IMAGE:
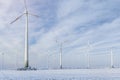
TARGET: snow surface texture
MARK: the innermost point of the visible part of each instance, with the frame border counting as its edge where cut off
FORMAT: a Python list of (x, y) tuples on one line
[(77, 74)]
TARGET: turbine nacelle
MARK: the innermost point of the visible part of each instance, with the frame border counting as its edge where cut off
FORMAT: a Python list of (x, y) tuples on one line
[(25, 13)]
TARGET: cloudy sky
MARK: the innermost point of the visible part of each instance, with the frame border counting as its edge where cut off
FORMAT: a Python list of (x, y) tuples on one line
[(83, 26)]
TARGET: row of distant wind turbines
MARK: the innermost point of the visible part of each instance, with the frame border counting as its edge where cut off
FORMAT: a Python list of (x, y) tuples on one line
[(26, 60), (87, 55)]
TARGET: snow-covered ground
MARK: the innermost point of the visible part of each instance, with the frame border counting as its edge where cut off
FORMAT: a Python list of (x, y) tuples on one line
[(73, 74)]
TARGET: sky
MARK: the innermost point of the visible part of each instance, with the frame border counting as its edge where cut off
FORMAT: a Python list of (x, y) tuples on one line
[(83, 26)]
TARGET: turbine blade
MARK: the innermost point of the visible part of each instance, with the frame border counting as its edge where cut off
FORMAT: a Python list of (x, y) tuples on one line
[(25, 5), (34, 15), (17, 18)]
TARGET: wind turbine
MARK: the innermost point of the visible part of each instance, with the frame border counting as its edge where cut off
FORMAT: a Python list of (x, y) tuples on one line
[(2, 66), (48, 57), (111, 59), (26, 13), (88, 55), (61, 50)]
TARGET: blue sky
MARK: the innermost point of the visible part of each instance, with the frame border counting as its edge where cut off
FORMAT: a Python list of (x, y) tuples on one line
[(73, 21)]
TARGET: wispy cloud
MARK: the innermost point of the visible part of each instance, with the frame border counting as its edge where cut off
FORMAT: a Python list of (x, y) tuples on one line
[(77, 21)]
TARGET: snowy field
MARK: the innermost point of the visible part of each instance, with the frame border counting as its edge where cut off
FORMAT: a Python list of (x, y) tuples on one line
[(76, 74)]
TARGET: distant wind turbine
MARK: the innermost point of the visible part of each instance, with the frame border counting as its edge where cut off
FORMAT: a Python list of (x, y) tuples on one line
[(88, 55), (61, 50), (26, 13), (111, 59), (2, 65)]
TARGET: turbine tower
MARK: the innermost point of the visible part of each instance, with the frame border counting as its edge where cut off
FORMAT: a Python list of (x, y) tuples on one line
[(26, 13), (111, 59), (61, 50), (88, 55)]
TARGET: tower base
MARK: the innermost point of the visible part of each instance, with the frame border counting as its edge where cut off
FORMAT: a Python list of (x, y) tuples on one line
[(26, 68)]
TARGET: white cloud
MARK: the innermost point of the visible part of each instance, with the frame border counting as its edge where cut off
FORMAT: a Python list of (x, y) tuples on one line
[(73, 20)]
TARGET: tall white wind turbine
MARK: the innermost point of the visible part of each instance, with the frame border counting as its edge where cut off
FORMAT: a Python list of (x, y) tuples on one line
[(26, 13), (111, 59), (61, 50)]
